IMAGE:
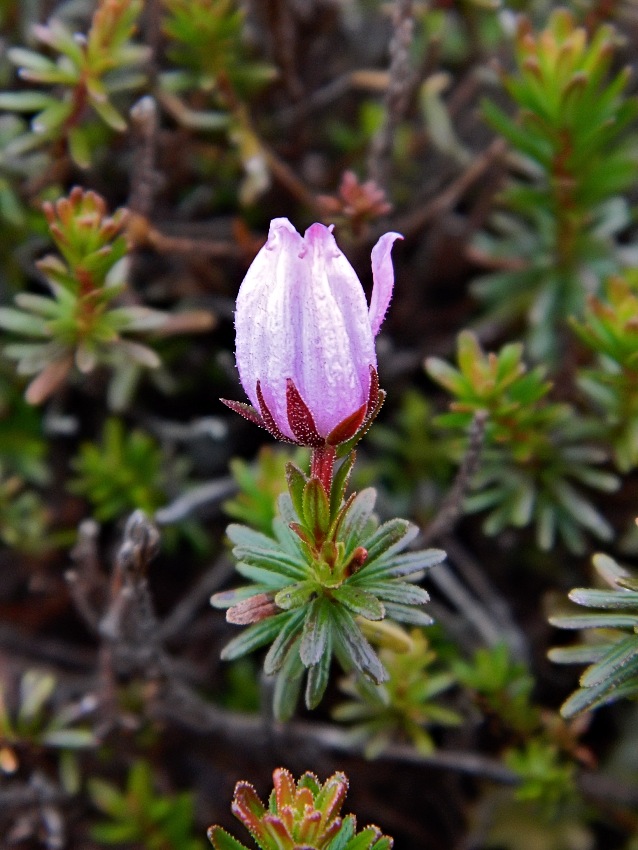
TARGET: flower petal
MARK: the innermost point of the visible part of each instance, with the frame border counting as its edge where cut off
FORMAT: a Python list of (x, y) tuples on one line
[(267, 302), (302, 320), (334, 376), (383, 279)]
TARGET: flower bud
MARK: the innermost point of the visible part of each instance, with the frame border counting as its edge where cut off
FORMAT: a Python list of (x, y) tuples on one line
[(305, 336)]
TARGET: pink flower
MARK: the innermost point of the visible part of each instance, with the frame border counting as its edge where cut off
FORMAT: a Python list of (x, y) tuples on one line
[(305, 335)]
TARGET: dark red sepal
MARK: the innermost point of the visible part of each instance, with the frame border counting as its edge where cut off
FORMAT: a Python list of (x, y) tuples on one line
[(300, 418), (376, 397), (269, 421), (348, 427), (373, 395), (245, 410)]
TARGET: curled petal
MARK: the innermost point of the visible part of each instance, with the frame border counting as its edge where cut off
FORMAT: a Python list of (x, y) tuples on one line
[(383, 280)]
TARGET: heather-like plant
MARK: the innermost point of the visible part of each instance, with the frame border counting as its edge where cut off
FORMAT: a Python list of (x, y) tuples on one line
[(303, 814), (79, 81), (613, 653), (609, 328), (537, 454), (15, 167), (500, 686), (546, 777), (356, 203), (413, 459), (306, 358), (124, 472), (23, 516), (23, 448), (331, 569), (30, 717), (555, 239), (259, 485), (140, 815), (81, 325), (207, 44), (407, 706), (129, 470)]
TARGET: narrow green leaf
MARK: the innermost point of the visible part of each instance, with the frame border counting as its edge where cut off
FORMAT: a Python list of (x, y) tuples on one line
[(24, 101), (316, 509), (315, 633), (622, 659), (340, 484), (357, 518), (35, 689), (582, 511), (310, 781), (280, 647), (384, 843), (518, 136), (608, 568), (40, 304), (242, 535), (72, 739), (594, 621), (356, 648), (330, 796), (407, 614), (345, 834), (22, 323), (392, 536), (445, 375), (405, 564), (275, 561), (318, 675), (586, 698), (79, 147), (295, 595), (363, 841), (296, 484), (115, 833), (273, 580), (469, 354), (109, 114), (398, 591), (24, 58), (604, 598), (361, 602), (581, 654), (107, 798), (287, 539), (222, 840), (288, 685), (254, 637), (51, 118)]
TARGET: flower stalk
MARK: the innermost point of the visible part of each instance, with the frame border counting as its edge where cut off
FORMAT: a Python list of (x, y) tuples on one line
[(322, 464)]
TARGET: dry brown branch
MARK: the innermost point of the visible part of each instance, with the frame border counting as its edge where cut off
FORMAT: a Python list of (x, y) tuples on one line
[(143, 233), (452, 505), (397, 94), (415, 221)]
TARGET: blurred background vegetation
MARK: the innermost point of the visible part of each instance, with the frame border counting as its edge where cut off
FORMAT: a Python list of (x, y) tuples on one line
[(144, 149)]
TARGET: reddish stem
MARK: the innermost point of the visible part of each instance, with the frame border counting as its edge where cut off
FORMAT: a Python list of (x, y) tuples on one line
[(321, 465)]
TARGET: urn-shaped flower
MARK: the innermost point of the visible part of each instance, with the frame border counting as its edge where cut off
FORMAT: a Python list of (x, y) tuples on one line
[(305, 335)]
